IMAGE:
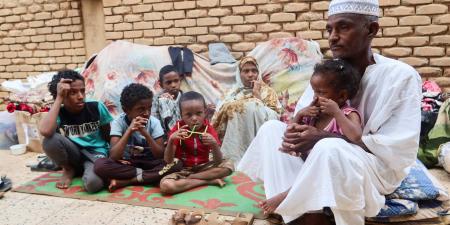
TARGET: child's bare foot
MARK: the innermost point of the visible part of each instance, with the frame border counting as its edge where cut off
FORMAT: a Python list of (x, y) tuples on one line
[(218, 182), (66, 179), (271, 204), (116, 184)]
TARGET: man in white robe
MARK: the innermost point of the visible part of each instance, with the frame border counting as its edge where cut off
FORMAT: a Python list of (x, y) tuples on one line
[(349, 178)]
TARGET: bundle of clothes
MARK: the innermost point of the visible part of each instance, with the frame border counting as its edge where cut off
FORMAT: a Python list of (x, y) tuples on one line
[(432, 100), (30, 95), (435, 131)]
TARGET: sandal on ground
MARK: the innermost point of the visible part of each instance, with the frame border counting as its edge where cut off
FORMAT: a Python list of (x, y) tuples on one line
[(195, 218), (213, 219), (274, 219), (178, 217), (185, 217), (45, 164), (243, 219), (5, 184)]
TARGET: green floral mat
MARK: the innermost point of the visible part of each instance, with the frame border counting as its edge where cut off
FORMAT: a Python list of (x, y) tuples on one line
[(239, 195)]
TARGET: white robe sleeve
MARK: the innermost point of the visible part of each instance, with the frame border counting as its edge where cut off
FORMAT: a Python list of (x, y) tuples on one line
[(392, 132)]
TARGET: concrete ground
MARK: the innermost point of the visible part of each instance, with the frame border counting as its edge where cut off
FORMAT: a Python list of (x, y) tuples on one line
[(27, 209)]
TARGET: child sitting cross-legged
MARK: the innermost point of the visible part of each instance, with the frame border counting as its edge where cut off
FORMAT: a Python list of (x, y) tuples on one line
[(191, 140), (136, 143)]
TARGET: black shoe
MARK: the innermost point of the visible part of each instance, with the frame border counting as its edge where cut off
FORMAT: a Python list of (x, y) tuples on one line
[(45, 165), (5, 184)]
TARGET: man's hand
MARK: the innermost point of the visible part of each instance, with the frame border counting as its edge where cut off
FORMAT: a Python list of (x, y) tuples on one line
[(63, 88), (328, 106), (301, 138), (208, 140)]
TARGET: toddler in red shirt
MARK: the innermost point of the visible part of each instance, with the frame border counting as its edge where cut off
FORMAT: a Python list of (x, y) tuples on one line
[(191, 140)]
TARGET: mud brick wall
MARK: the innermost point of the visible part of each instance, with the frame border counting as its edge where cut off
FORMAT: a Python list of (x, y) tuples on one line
[(38, 36), (414, 31)]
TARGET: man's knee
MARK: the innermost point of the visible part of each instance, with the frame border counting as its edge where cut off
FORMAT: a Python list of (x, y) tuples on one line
[(329, 145), (168, 186), (335, 150)]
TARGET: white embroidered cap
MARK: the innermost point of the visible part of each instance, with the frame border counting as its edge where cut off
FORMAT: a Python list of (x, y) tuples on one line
[(364, 7)]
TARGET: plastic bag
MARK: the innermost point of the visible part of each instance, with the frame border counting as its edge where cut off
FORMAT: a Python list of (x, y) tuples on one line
[(8, 134), (27, 130)]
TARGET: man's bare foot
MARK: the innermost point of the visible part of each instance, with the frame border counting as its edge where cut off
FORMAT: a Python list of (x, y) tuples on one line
[(271, 204), (116, 184), (66, 179), (218, 182)]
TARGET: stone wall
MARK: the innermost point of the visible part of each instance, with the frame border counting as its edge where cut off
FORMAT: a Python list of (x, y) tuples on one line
[(46, 35), (38, 36)]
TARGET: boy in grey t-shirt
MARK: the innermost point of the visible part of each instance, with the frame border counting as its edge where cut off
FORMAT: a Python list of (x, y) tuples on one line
[(136, 143)]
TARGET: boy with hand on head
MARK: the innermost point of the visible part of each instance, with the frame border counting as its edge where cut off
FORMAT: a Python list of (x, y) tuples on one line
[(137, 143), (191, 140), (76, 131), (165, 105)]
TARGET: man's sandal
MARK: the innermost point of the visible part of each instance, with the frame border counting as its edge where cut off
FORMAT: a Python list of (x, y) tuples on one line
[(185, 217), (195, 218), (243, 219), (213, 219), (240, 219), (274, 219), (178, 217)]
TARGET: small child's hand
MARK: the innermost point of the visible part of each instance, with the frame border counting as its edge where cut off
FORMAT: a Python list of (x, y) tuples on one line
[(311, 111), (166, 95), (180, 134), (328, 106), (138, 124), (209, 140)]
